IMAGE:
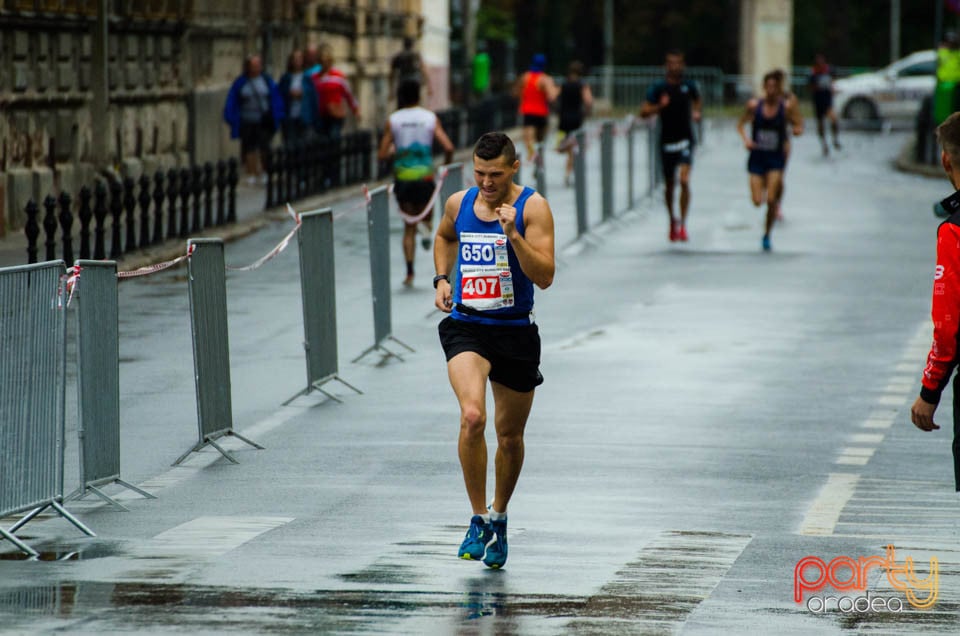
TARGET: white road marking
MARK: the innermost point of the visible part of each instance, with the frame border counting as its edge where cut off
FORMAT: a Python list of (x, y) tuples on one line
[(176, 554), (867, 438), (825, 511), (892, 400), (911, 379), (207, 536), (885, 422), (900, 388), (858, 451), (850, 460)]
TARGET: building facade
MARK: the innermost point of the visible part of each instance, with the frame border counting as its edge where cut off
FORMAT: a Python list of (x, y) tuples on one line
[(127, 86)]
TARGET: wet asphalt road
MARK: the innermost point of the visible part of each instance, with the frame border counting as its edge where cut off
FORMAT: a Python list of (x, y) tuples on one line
[(711, 415)]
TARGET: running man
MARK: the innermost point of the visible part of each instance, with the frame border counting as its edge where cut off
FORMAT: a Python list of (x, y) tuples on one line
[(821, 88), (409, 136), (769, 145), (676, 100), (943, 356), (575, 101), (536, 91), (496, 241)]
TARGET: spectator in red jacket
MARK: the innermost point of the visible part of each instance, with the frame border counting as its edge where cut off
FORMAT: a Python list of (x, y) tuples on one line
[(942, 359), (333, 96)]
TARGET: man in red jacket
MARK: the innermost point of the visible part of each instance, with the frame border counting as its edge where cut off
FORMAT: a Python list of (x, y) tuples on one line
[(334, 96), (943, 355)]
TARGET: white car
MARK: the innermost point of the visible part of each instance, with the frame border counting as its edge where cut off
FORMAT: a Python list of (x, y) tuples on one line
[(893, 92)]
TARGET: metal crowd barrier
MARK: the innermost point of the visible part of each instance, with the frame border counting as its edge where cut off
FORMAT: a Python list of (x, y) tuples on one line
[(654, 167), (451, 185), (378, 233), (580, 179), (32, 394), (630, 163), (319, 299), (606, 169), (98, 380), (211, 346)]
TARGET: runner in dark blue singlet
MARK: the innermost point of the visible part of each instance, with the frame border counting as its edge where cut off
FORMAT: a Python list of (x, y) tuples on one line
[(769, 145), (494, 243)]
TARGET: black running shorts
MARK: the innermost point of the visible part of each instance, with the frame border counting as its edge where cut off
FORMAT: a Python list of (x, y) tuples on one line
[(512, 351), (413, 196), (671, 160)]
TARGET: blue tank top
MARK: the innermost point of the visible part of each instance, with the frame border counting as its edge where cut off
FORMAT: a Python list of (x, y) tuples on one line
[(769, 133), (489, 287)]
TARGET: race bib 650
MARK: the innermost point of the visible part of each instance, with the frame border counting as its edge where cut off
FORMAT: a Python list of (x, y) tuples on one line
[(486, 282)]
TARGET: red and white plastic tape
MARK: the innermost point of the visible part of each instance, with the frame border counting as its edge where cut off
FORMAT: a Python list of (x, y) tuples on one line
[(282, 245)]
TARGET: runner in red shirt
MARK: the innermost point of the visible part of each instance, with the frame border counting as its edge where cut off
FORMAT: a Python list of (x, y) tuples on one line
[(942, 359), (536, 91), (334, 96)]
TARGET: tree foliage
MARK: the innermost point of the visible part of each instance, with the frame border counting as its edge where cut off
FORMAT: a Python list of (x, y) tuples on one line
[(849, 32)]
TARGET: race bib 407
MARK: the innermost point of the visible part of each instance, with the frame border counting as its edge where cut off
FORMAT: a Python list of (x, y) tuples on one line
[(485, 279)]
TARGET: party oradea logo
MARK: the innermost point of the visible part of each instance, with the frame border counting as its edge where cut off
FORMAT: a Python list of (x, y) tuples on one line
[(849, 578)]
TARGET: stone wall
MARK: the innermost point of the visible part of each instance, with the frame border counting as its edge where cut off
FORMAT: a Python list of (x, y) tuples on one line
[(168, 66)]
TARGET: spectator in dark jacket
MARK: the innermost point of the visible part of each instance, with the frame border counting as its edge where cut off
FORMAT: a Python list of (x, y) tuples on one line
[(254, 110), (299, 99)]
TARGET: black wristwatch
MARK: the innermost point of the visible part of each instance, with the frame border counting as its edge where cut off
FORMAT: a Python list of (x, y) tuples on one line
[(438, 278)]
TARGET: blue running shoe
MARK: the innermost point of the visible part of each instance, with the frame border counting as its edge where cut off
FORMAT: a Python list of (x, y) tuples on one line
[(475, 543), (766, 243), (496, 555)]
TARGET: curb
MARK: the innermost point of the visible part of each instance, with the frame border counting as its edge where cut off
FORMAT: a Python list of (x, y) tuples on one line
[(906, 163)]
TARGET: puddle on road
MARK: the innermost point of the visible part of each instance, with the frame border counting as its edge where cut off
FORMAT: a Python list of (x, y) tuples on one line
[(151, 606), (383, 575), (60, 553)]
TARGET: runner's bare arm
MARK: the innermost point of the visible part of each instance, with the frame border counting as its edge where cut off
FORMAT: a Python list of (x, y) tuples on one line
[(445, 250), (649, 109), (549, 88), (587, 96), (745, 117), (441, 136), (534, 250), (385, 151), (794, 116), (696, 110)]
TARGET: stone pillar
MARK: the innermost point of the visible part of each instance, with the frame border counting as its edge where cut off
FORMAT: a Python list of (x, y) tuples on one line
[(435, 50), (766, 38)]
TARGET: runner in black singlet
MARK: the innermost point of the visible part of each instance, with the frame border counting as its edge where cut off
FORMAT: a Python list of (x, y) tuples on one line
[(575, 102), (676, 101)]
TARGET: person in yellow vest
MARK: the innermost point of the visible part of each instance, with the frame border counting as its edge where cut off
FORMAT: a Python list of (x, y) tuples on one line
[(948, 77)]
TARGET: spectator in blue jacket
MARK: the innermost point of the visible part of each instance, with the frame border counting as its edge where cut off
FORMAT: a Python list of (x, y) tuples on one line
[(254, 110), (299, 100)]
